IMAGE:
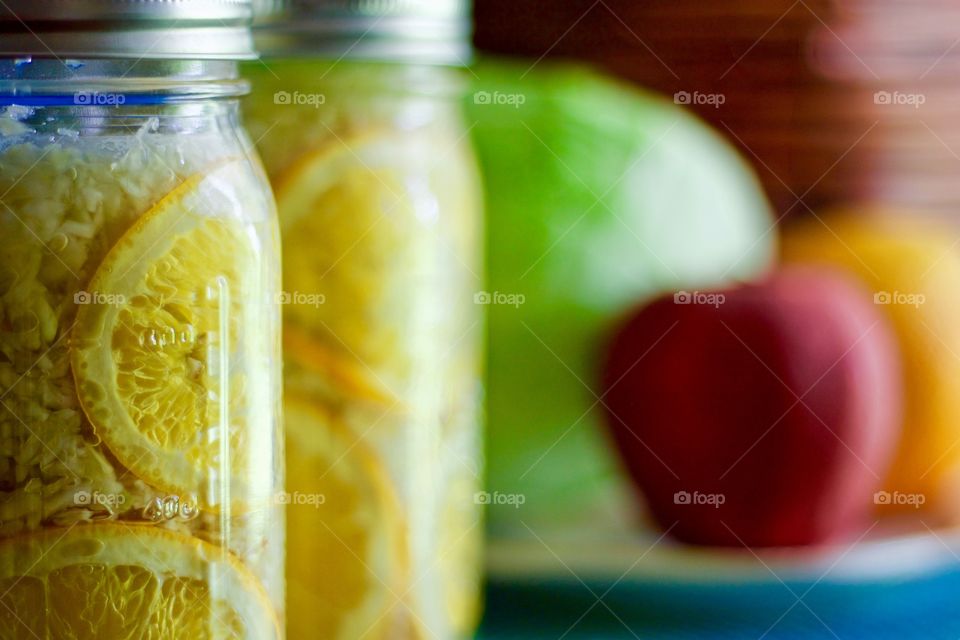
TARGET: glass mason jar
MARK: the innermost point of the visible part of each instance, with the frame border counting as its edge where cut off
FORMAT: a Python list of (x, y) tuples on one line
[(379, 204), (140, 458)]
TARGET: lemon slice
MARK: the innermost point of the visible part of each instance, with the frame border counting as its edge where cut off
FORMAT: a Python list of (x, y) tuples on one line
[(110, 581), (164, 359), (357, 237), (343, 378), (346, 556)]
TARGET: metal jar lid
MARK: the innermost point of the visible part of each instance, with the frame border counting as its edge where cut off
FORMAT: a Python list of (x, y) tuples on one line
[(141, 29), (418, 31)]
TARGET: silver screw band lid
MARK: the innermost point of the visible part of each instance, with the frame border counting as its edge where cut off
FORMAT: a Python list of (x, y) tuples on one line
[(142, 29), (418, 31)]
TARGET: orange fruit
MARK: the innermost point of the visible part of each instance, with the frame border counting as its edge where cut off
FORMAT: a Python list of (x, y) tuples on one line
[(912, 268)]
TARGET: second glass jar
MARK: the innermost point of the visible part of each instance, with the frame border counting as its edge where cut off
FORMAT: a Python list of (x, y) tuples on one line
[(379, 203)]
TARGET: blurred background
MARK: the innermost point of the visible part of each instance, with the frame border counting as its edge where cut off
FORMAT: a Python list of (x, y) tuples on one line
[(724, 320)]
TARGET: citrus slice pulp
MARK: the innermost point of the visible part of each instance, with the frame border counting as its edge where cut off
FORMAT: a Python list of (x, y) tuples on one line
[(346, 378), (346, 557), (161, 354), (356, 238), (127, 583)]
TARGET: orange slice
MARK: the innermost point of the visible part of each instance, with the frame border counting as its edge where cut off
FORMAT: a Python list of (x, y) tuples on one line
[(347, 380), (109, 581), (346, 555), (166, 357), (356, 238)]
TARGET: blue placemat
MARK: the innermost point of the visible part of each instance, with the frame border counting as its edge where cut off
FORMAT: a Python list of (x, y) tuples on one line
[(925, 608)]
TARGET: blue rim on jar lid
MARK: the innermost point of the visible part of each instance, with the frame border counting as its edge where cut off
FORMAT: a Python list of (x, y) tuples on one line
[(417, 31), (141, 29)]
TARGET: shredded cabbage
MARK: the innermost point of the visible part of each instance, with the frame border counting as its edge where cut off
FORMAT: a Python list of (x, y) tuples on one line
[(64, 201)]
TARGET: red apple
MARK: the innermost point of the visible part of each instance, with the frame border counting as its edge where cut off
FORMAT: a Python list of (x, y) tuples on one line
[(761, 415)]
